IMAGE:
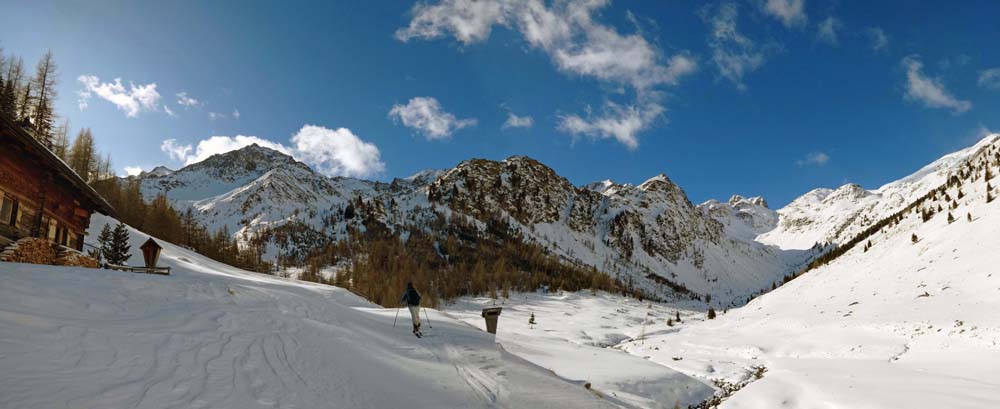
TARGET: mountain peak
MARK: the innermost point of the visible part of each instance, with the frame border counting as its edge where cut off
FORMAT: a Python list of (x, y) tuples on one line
[(156, 172)]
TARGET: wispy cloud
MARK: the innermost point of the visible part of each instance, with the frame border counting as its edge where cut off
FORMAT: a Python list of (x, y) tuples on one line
[(565, 30), (333, 152), (827, 30), (568, 32), (792, 13), (990, 78), (170, 112), (733, 53), (621, 123), (186, 101), (236, 113), (515, 121), (132, 101), (814, 159), (425, 115), (928, 90), (216, 115), (879, 39)]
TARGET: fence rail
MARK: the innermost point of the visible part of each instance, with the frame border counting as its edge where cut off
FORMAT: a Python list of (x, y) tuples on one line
[(148, 270)]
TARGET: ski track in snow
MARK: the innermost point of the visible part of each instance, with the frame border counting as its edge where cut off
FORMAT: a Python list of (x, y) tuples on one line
[(212, 336)]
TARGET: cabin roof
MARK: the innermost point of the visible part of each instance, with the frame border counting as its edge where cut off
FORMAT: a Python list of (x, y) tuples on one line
[(9, 127)]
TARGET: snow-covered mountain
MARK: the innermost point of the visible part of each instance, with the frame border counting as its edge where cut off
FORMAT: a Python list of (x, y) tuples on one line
[(650, 234), (835, 216), (905, 319)]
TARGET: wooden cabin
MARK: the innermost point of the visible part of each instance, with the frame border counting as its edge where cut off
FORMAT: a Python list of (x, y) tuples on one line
[(40, 196)]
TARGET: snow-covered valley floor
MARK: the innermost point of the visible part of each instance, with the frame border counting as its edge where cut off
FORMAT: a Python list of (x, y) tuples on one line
[(902, 325), (212, 336)]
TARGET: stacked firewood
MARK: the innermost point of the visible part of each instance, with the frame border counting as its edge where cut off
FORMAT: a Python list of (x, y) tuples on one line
[(40, 251), (30, 250), (76, 259)]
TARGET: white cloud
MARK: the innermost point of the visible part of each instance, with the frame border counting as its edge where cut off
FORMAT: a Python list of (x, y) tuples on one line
[(790, 12), (565, 30), (929, 90), (333, 152), (814, 158), (827, 29), (337, 152), (990, 78), (515, 121), (132, 170), (426, 115), (215, 115), (176, 152), (132, 101), (621, 123), (169, 111), (734, 54), (236, 113), (187, 102), (879, 39)]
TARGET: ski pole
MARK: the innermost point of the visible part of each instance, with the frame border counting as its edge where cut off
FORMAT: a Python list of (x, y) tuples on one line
[(394, 319), (428, 319)]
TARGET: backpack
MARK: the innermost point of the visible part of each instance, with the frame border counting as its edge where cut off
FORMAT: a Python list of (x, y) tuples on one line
[(413, 297)]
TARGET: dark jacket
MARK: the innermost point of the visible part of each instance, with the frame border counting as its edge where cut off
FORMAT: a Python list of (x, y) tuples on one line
[(410, 297)]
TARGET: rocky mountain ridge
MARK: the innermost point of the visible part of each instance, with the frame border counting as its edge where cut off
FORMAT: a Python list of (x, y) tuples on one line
[(648, 234)]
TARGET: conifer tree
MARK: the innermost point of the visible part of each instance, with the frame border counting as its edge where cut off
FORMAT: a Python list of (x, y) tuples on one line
[(711, 313), (118, 252), (60, 140), (45, 84), (951, 219), (81, 155), (913, 238), (531, 320), (968, 216), (104, 240)]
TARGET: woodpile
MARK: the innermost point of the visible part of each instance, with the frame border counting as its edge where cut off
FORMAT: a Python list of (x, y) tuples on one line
[(40, 251), (30, 250), (76, 259)]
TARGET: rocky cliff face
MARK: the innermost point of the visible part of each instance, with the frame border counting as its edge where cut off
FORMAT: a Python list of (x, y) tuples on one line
[(649, 234)]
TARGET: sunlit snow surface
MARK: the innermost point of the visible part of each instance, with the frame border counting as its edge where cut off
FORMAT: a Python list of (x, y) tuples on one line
[(212, 336)]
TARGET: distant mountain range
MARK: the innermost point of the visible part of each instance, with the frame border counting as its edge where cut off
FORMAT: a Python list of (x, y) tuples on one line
[(649, 233)]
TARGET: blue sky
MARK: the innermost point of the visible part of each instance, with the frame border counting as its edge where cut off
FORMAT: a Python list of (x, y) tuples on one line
[(768, 97)]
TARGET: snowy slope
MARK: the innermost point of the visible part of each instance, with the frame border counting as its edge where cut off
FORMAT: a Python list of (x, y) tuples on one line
[(901, 325), (212, 336), (835, 216)]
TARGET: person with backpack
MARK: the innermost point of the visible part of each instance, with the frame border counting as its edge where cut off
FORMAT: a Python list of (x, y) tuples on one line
[(412, 299)]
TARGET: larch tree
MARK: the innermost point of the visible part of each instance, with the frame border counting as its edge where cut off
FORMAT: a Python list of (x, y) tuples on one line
[(60, 141), (81, 155), (12, 87), (45, 91)]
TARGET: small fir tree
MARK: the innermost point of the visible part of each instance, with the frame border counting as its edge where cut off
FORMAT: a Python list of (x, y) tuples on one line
[(913, 238), (968, 216), (104, 240), (531, 320), (119, 248), (951, 219), (711, 313)]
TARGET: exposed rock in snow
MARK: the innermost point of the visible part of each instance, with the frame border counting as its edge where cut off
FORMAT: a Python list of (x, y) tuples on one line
[(835, 216)]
